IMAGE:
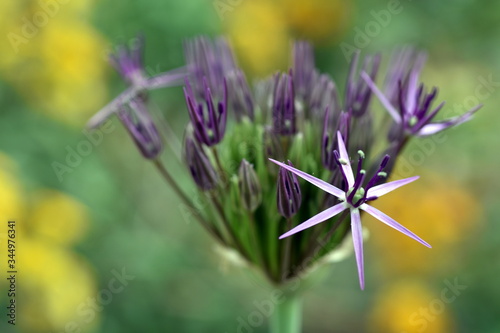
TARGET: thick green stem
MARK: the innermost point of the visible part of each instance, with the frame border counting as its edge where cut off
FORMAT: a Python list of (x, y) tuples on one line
[(287, 316)]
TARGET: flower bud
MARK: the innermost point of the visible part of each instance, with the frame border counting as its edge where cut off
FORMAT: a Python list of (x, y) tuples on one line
[(209, 121), (329, 140), (284, 120), (141, 127), (289, 195), (202, 171), (358, 94), (239, 96), (249, 186)]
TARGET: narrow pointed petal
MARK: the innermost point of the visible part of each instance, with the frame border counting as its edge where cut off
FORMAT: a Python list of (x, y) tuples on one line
[(112, 107), (412, 91), (381, 97), (357, 239), (392, 223), (175, 77), (345, 156), (316, 219), (380, 190), (313, 180), (413, 85), (434, 128)]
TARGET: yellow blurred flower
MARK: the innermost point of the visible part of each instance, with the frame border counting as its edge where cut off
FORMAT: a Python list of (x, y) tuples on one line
[(262, 30), (54, 58), (319, 21), (258, 31), (71, 82), (55, 280), (409, 307), (438, 210), (58, 218)]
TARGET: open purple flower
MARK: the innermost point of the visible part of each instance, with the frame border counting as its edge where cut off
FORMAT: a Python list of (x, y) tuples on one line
[(128, 61), (414, 113), (354, 198)]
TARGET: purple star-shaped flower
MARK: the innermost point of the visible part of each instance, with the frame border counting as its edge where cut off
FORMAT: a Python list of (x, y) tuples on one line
[(128, 61), (355, 198), (414, 114)]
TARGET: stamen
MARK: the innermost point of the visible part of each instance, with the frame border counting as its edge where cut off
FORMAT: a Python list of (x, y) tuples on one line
[(384, 162), (379, 172), (357, 185), (360, 170)]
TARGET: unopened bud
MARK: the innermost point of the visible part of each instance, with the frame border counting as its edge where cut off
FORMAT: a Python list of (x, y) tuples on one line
[(249, 186), (202, 171), (289, 195)]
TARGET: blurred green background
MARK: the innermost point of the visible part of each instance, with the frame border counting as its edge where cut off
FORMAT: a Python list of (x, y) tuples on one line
[(109, 213)]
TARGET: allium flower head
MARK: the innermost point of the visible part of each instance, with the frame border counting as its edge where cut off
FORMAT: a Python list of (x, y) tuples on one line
[(295, 116)]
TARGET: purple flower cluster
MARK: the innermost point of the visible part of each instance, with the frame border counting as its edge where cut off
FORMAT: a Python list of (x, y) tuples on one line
[(297, 116)]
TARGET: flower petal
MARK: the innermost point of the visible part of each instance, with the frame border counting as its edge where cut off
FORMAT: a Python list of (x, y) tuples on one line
[(357, 239), (316, 219), (412, 88), (381, 97), (112, 107), (313, 180), (343, 155), (168, 79), (434, 128), (380, 190), (392, 223)]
